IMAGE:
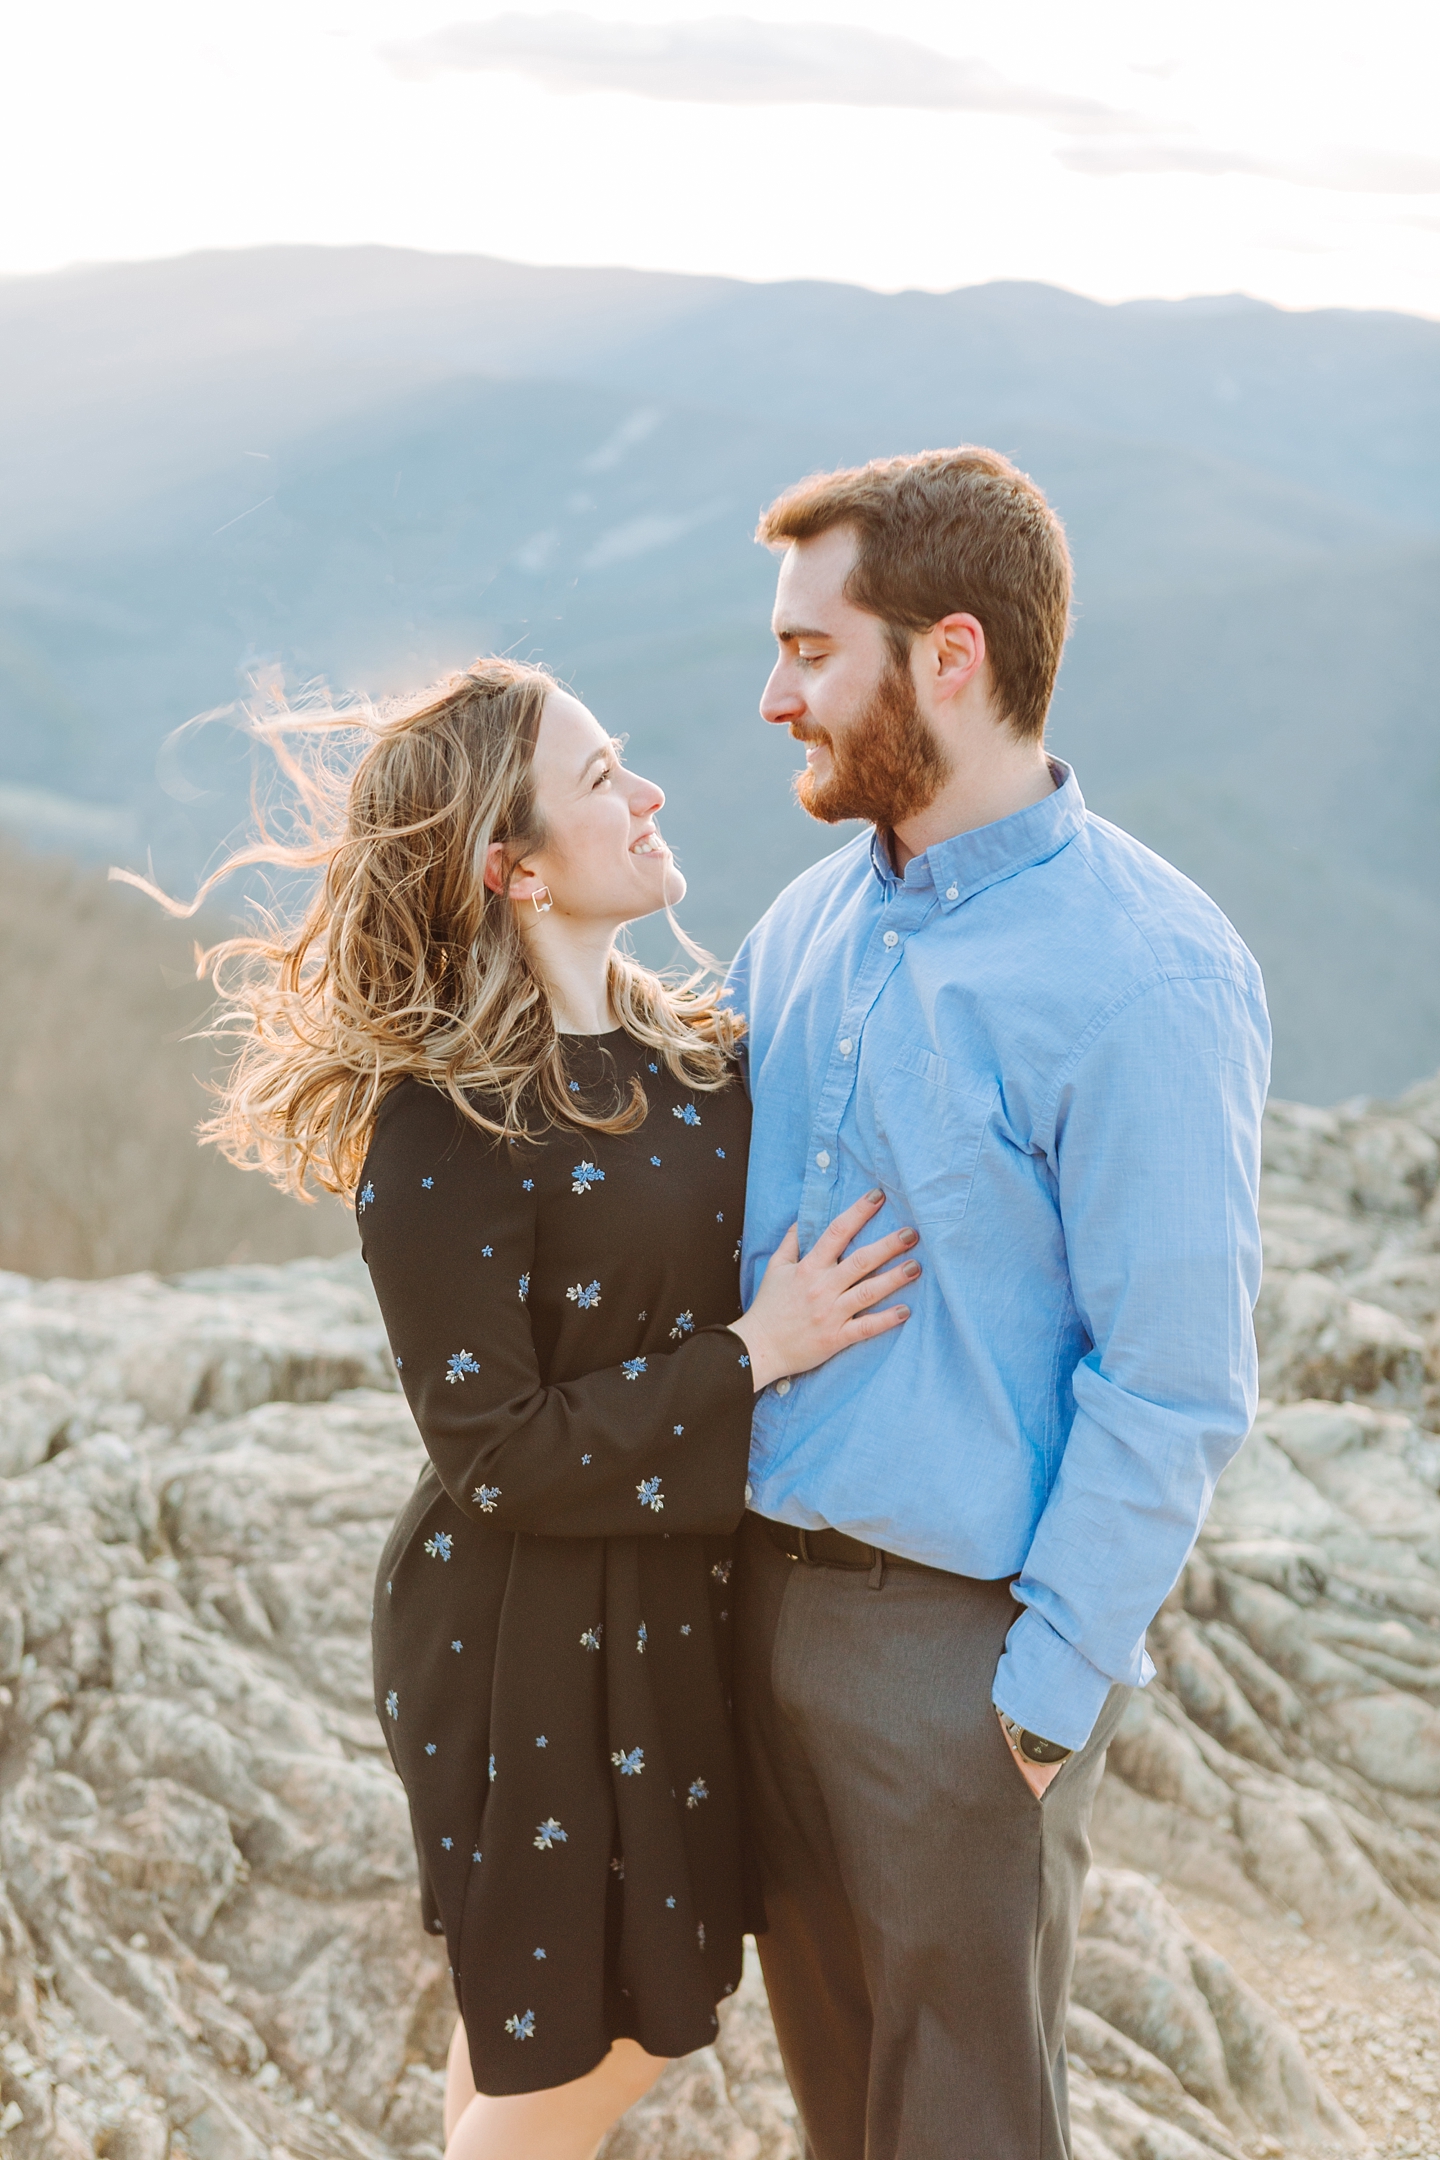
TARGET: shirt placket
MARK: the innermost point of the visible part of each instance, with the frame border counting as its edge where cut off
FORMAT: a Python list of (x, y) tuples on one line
[(901, 916)]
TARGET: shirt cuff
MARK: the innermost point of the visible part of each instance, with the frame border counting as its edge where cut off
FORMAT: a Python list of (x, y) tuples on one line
[(1047, 1686)]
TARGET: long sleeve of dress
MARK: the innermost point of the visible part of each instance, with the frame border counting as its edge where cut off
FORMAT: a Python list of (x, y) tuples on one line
[(532, 1413)]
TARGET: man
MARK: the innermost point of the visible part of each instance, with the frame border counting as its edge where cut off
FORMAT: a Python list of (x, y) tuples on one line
[(1051, 1051)]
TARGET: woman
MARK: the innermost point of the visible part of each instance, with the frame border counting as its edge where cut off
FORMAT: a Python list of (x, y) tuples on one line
[(550, 1201)]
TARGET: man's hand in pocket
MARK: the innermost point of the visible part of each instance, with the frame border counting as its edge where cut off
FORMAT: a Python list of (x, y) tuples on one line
[(1036, 1775)]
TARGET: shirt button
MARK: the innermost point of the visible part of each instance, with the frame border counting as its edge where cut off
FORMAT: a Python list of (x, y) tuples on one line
[(749, 1492), (846, 1047), (952, 892), (823, 1159), (891, 937), (782, 1387)]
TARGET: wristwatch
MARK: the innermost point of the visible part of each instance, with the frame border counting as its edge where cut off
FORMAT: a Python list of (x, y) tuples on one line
[(1032, 1747)]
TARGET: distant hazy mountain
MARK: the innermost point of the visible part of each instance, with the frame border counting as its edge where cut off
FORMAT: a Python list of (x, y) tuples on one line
[(368, 465)]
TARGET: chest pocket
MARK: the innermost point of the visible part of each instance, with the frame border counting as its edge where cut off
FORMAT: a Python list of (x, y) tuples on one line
[(930, 1127)]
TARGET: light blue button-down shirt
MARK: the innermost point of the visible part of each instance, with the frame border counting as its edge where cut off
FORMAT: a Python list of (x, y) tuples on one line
[(1052, 1052)]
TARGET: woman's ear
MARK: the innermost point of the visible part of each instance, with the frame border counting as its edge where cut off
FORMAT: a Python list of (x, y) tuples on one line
[(513, 879), (493, 871)]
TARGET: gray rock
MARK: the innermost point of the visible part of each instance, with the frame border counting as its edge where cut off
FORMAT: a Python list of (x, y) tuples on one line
[(205, 1865)]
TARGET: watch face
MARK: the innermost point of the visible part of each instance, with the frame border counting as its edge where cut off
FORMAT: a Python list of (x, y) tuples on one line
[(1036, 1750)]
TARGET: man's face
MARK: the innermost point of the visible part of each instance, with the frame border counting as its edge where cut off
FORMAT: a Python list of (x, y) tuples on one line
[(837, 686)]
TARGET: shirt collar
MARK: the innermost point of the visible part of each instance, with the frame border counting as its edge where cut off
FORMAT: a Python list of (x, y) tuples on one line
[(959, 868)]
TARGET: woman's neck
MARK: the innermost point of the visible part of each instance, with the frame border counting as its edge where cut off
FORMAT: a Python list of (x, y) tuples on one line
[(573, 961)]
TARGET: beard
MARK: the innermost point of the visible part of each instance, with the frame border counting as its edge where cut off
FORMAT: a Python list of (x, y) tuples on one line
[(885, 767)]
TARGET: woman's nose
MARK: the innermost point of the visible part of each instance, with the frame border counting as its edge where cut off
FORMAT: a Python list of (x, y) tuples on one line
[(648, 799)]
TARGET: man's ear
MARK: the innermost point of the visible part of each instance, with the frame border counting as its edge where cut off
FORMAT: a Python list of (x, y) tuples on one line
[(956, 653)]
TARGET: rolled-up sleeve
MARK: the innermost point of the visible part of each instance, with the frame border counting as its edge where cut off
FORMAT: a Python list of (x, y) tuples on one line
[(1154, 1145)]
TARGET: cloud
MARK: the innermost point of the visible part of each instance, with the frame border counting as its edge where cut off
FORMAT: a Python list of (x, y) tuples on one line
[(733, 60), (1366, 172)]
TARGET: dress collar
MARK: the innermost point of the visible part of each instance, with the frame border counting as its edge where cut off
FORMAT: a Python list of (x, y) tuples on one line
[(958, 868)]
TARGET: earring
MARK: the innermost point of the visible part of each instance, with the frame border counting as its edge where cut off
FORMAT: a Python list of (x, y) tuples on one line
[(542, 907)]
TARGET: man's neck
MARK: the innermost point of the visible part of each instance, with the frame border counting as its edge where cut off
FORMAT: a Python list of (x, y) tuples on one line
[(1009, 776)]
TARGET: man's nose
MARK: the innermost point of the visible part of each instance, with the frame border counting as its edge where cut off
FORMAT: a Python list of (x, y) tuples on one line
[(780, 701)]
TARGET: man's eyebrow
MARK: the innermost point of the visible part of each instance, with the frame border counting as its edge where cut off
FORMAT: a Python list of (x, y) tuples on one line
[(786, 635)]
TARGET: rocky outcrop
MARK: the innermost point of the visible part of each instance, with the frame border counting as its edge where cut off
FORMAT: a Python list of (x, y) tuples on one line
[(209, 1941)]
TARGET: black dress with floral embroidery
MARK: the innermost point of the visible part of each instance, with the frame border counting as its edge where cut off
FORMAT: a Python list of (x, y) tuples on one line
[(551, 1612)]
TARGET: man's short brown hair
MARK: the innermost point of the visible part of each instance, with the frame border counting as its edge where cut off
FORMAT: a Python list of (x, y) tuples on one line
[(945, 533)]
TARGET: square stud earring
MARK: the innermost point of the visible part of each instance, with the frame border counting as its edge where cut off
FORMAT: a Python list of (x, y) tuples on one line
[(542, 907)]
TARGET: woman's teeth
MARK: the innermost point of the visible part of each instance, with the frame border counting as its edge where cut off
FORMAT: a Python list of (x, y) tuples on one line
[(649, 843)]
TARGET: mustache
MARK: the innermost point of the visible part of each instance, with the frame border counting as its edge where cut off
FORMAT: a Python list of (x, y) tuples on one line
[(811, 735)]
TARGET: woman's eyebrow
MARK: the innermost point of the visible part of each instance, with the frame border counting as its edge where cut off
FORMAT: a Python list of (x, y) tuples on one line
[(603, 755)]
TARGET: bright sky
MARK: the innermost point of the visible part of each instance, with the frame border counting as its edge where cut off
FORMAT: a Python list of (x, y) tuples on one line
[(1286, 148)]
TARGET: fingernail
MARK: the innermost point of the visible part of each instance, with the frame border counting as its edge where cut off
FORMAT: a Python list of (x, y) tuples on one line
[(875, 1197), (902, 1312), (910, 1237), (912, 1271)]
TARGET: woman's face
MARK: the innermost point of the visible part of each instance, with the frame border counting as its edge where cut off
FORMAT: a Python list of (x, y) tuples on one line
[(603, 860)]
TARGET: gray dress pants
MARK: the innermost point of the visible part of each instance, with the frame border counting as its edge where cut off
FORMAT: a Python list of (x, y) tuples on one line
[(921, 1903)]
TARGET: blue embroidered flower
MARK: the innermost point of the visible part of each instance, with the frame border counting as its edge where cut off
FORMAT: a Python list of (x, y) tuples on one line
[(649, 1495), (584, 1461), (440, 1546), (585, 1295), (541, 1741), (670, 1904), (630, 1762), (527, 1184), (524, 1287), (367, 1195), (584, 1175), (642, 1316), (549, 1834), (430, 1747), (427, 1184), (590, 1640), (487, 1252), (655, 1160), (399, 1364), (721, 1153), (457, 1644), (523, 2026), (721, 1571), (392, 1704), (476, 1855), (685, 1627), (447, 1844), (684, 1325), (688, 1116), (537, 1953), (642, 1638), (457, 1365), (719, 1218), (699, 1791), (745, 1361), (678, 1430), (632, 1367), (492, 1769), (484, 1497), (655, 1068), (574, 1087)]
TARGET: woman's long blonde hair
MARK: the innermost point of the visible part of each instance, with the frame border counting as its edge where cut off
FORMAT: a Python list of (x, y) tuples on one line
[(404, 964)]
